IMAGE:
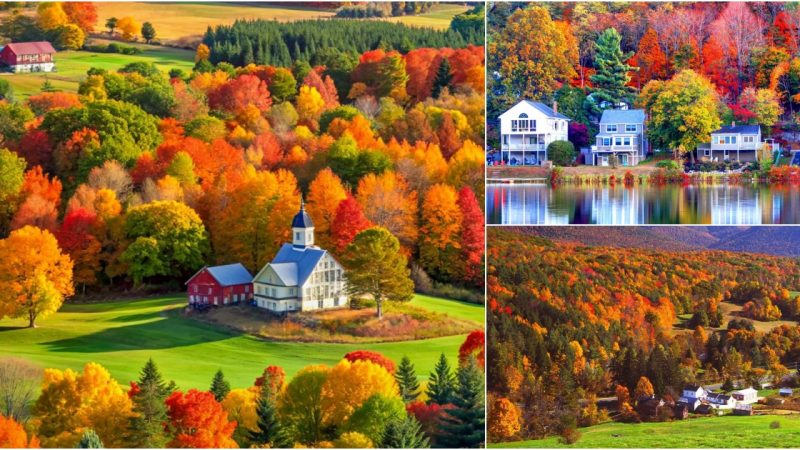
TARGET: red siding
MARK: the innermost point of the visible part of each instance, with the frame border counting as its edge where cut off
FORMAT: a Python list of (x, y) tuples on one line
[(203, 288), (8, 57)]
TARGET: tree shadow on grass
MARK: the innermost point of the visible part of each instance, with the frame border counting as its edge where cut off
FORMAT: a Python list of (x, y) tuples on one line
[(162, 333)]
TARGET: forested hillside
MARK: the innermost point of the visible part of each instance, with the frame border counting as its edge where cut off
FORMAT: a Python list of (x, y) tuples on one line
[(569, 322)]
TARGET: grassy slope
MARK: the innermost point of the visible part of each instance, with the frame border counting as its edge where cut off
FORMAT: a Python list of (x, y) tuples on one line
[(71, 67), (121, 335), (728, 431), (457, 309)]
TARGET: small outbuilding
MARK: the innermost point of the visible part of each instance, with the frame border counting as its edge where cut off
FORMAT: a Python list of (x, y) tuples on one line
[(220, 285), (743, 410), (785, 392), (680, 411), (705, 408), (746, 396)]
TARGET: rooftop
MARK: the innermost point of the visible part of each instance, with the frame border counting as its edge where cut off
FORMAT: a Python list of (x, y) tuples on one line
[(31, 48)]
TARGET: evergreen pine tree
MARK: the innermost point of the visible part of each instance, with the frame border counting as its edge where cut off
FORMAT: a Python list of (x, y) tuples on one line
[(270, 431), (90, 439), (147, 427), (611, 79), (220, 386), (464, 425), (405, 432), (442, 79), (406, 378), (441, 383)]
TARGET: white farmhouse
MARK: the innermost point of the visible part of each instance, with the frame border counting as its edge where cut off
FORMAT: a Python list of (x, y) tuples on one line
[(527, 128), (302, 276)]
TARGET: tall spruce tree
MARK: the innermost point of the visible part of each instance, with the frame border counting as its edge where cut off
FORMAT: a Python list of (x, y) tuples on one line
[(220, 386), (90, 439), (611, 78), (269, 430), (405, 432), (464, 425), (441, 383), (147, 426), (442, 78), (406, 378)]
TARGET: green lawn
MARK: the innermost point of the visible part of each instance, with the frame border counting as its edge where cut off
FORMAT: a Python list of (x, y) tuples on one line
[(454, 308), (721, 432), (121, 335), (71, 67)]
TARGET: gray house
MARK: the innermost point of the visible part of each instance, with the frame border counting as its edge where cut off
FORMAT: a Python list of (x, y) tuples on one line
[(622, 133), (732, 143)]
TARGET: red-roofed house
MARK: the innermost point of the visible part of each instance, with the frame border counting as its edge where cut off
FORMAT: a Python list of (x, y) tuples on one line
[(28, 56)]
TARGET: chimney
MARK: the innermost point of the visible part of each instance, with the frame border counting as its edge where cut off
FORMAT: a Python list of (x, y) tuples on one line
[(733, 123), (555, 106)]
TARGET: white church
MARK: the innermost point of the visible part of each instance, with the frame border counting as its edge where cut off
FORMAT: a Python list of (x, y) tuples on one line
[(302, 276)]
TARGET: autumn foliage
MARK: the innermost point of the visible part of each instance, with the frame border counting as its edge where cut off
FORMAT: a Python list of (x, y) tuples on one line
[(197, 420)]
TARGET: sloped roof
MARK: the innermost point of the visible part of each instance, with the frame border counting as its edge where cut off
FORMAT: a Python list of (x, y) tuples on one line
[(227, 275), (548, 111), (305, 260), (31, 48), (287, 272), (622, 116), (742, 129)]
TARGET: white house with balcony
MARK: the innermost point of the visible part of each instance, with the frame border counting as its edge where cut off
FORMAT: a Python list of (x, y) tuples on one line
[(527, 128), (735, 143), (622, 133), (302, 276)]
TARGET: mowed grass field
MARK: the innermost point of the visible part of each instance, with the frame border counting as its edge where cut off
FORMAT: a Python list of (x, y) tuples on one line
[(709, 432), (122, 335), (71, 67)]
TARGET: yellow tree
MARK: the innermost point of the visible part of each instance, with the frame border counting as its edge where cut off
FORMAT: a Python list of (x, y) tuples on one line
[(129, 27), (35, 276), (310, 105), (439, 250), (51, 16), (350, 384), (466, 169), (504, 419), (300, 404), (240, 405), (71, 402), (644, 388), (202, 53), (324, 195), (388, 202)]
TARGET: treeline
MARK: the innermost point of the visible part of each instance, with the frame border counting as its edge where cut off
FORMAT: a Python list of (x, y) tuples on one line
[(280, 44), (383, 9), (570, 322)]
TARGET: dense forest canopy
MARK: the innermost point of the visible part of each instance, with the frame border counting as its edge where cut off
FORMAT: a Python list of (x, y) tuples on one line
[(571, 322), (280, 44)]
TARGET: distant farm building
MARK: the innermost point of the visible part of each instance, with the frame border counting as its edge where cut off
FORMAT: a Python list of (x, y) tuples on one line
[(220, 285), (28, 56), (746, 396), (743, 410), (785, 392)]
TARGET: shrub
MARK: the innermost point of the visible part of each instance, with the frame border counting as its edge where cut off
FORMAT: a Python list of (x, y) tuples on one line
[(562, 153), (668, 164), (629, 179), (556, 176)]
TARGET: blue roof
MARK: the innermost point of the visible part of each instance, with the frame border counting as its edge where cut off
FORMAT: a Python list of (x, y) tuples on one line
[(546, 110), (742, 129), (230, 274), (302, 219), (306, 258), (622, 116)]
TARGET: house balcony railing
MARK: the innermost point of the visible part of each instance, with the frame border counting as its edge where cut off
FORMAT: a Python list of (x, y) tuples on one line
[(616, 148), (523, 148)]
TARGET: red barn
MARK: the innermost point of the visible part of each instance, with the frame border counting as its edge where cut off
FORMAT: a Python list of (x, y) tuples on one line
[(220, 285), (28, 56)]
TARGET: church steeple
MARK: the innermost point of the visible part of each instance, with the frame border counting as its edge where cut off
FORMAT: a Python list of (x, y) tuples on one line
[(302, 228)]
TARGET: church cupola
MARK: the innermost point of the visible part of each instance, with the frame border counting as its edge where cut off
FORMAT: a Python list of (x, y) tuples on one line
[(302, 228)]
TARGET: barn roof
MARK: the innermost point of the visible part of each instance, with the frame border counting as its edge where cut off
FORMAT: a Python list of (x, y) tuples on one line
[(622, 116), (287, 272), (741, 129), (31, 48), (227, 275), (304, 259)]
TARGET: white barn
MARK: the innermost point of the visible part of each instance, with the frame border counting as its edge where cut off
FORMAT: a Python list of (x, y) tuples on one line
[(527, 128), (302, 276)]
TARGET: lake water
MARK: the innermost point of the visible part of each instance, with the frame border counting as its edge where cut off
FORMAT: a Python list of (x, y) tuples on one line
[(532, 204)]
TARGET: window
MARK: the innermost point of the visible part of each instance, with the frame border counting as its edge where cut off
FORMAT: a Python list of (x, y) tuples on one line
[(626, 141), (606, 142), (319, 304), (748, 139), (618, 141), (336, 301), (505, 139), (555, 125), (297, 236), (630, 128), (611, 128), (274, 295), (707, 152), (733, 139)]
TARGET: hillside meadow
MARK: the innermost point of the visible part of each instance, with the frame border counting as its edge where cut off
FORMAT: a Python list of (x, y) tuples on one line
[(71, 67), (710, 432), (122, 335)]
